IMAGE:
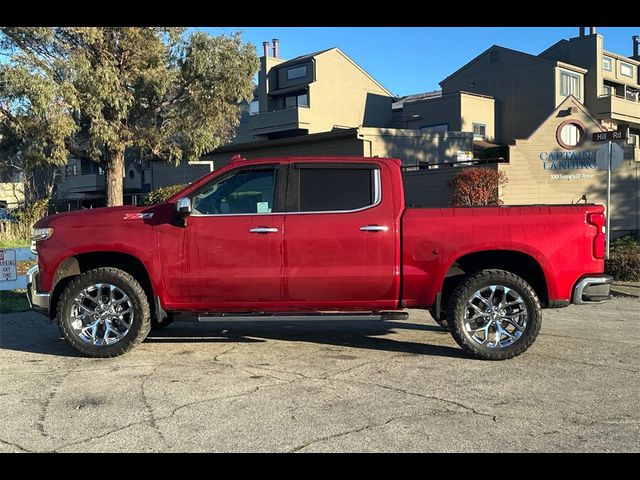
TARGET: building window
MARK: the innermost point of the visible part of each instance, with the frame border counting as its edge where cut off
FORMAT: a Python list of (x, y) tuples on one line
[(442, 127), (292, 101), (607, 64), (606, 89), (570, 134), (569, 84), (626, 69), (297, 72), (479, 131), (254, 107)]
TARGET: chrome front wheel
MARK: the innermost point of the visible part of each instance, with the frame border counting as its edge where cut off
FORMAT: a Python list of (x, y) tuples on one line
[(102, 314)]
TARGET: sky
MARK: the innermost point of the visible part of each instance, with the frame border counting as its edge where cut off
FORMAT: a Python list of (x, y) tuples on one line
[(409, 60)]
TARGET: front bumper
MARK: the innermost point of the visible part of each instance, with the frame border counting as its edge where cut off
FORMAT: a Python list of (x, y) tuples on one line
[(37, 300), (592, 290)]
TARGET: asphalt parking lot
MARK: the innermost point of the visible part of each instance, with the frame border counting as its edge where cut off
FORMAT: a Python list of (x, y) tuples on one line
[(398, 386)]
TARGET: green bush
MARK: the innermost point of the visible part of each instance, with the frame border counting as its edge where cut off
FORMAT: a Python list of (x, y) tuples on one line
[(624, 265), (159, 195), (627, 242)]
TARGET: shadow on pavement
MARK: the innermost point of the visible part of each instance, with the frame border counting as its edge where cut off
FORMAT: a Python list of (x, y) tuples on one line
[(352, 333), (29, 332)]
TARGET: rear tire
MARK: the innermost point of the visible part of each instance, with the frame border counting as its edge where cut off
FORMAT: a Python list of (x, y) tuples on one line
[(104, 313), (494, 315)]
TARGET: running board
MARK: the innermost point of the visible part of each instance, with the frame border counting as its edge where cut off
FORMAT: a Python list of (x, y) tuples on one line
[(295, 317)]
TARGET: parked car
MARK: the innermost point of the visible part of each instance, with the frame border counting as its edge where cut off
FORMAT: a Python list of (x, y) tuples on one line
[(311, 235)]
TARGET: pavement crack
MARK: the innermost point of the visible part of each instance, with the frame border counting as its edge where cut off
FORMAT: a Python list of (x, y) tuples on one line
[(98, 437), (226, 397), (439, 399), (153, 421), (349, 432), (42, 418), (16, 445)]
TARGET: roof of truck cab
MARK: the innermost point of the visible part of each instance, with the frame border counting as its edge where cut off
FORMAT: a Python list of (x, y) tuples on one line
[(313, 158)]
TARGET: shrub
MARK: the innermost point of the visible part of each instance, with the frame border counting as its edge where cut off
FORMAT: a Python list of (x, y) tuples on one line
[(624, 258), (624, 265), (19, 230), (629, 241), (476, 186), (159, 195)]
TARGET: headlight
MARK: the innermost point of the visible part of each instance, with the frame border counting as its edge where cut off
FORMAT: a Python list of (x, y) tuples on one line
[(41, 234)]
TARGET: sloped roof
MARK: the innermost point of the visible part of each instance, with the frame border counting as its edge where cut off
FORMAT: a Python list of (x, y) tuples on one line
[(415, 97), (498, 47), (309, 56), (574, 102), (303, 58)]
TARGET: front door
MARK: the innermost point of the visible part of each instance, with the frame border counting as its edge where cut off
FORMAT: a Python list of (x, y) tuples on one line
[(234, 241), (340, 241)]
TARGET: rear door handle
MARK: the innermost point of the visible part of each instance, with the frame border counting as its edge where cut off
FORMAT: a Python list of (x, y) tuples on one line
[(374, 228), (264, 230)]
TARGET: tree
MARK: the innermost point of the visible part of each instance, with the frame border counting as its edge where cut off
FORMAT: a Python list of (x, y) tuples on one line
[(476, 186), (95, 92)]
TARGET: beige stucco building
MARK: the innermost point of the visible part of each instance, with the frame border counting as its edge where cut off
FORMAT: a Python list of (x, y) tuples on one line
[(311, 94), (544, 169)]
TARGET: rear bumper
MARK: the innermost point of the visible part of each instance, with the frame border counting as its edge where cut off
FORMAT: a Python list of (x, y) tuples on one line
[(592, 290), (38, 301)]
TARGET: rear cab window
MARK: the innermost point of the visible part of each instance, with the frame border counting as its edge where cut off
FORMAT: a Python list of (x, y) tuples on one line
[(327, 187)]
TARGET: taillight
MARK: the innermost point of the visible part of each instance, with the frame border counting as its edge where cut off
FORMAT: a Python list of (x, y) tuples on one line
[(598, 220)]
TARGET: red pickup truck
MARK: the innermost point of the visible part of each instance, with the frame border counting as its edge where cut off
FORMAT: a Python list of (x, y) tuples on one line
[(323, 236)]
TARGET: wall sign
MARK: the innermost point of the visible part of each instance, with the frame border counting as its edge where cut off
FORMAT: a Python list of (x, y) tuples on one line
[(572, 160)]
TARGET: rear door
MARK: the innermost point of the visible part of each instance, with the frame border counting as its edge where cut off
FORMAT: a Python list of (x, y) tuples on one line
[(340, 238)]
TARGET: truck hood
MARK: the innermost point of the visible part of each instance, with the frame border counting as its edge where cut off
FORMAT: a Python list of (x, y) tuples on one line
[(105, 215)]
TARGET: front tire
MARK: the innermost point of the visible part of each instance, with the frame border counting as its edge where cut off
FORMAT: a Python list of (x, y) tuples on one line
[(104, 313), (494, 315)]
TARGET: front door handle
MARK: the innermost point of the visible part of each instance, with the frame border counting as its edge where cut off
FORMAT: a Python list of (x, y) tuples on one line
[(264, 230), (374, 228)]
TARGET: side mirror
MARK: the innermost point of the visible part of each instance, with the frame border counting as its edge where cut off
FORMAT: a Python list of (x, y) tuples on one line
[(183, 206)]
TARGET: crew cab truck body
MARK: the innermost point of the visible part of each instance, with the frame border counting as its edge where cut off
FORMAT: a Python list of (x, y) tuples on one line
[(310, 235)]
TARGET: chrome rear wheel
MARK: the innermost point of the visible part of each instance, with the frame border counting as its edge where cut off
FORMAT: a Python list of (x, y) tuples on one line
[(496, 316)]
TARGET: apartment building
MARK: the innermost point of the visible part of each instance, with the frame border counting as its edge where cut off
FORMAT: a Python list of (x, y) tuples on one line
[(611, 81), (512, 92), (311, 94)]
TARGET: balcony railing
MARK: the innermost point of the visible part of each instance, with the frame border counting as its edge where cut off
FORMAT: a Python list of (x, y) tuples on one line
[(278, 120), (622, 108)]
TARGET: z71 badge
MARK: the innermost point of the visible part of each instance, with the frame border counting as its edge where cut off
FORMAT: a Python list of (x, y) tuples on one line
[(132, 216)]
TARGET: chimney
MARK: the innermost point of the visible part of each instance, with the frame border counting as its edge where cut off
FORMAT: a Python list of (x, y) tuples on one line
[(592, 30), (636, 42), (275, 48), (265, 48)]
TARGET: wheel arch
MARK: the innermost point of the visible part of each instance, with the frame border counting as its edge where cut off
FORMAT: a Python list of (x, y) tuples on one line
[(517, 262), (75, 265)]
